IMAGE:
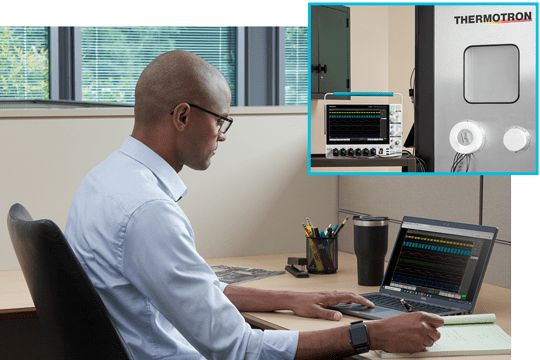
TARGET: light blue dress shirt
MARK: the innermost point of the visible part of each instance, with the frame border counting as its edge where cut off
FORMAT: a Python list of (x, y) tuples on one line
[(137, 246)]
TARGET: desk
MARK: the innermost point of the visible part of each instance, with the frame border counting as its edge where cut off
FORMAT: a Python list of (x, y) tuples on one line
[(492, 299), (21, 336), (15, 299), (407, 163)]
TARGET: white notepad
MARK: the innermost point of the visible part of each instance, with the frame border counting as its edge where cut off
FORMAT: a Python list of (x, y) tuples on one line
[(465, 335)]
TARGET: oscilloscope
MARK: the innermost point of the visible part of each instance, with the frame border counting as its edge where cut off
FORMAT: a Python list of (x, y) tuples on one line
[(363, 130)]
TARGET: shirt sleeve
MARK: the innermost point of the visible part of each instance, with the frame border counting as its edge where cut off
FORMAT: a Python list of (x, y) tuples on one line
[(222, 285), (159, 258)]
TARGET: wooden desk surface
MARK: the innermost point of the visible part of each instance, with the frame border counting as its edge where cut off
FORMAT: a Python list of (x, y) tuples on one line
[(15, 298), (492, 299)]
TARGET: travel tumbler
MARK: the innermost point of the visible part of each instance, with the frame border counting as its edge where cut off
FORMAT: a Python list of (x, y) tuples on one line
[(370, 245)]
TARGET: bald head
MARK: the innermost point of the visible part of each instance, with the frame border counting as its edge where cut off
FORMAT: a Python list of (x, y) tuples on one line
[(171, 78), (165, 121)]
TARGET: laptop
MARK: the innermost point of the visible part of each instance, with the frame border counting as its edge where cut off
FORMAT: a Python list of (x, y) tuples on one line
[(436, 266)]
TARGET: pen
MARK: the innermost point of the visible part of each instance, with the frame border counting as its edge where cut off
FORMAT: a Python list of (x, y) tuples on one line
[(329, 231), (407, 306), (323, 238)]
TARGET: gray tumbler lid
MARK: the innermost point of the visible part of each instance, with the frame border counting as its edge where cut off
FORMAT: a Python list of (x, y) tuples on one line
[(363, 220)]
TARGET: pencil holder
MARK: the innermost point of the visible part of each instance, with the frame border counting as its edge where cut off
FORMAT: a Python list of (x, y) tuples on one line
[(322, 255)]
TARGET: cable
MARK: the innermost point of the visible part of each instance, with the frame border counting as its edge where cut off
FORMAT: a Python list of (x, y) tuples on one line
[(458, 158), (421, 164), (393, 154), (412, 85)]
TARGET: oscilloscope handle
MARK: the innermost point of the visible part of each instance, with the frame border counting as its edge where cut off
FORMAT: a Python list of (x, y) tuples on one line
[(357, 94), (363, 94)]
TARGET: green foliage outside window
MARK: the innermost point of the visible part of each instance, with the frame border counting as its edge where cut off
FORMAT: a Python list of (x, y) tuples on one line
[(24, 63)]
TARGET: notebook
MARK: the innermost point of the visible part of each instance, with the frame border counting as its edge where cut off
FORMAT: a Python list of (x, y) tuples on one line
[(436, 266), (464, 335)]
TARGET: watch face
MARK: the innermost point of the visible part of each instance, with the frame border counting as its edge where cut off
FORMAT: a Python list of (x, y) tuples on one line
[(359, 334), (359, 338)]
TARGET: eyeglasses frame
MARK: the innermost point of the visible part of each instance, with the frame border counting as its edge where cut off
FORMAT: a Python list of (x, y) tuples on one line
[(229, 120)]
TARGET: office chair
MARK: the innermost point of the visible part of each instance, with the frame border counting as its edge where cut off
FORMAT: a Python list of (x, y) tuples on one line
[(74, 320)]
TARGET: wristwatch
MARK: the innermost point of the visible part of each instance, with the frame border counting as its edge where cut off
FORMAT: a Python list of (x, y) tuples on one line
[(359, 337)]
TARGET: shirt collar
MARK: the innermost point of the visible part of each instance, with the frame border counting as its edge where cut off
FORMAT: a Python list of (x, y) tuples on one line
[(169, 181)]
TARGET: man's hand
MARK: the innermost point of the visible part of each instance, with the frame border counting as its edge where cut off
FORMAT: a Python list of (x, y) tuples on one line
[(306, 304), (313, 304), (405, 333)]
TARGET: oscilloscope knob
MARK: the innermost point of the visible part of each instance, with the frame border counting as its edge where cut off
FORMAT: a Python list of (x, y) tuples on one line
[(335, 152), (358, 152), (350, 152), (366, 152), (343, 152), (373, 152)]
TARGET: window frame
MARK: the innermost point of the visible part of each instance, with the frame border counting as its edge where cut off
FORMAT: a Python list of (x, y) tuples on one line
[(260, 60)]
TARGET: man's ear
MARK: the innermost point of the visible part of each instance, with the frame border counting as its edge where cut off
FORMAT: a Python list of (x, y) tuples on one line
[(180, 116)]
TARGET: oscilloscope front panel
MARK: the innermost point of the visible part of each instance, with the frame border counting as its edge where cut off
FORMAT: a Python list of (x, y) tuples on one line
[(363, 130)]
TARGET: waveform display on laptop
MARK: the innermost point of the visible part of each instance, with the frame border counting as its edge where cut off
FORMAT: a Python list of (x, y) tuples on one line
[(432, 262)]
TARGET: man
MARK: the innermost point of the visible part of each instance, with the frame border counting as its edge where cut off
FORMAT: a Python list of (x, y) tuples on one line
[(137, 245)]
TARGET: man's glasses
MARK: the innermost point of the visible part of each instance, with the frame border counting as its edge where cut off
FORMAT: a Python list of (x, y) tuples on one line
[(224, 124)]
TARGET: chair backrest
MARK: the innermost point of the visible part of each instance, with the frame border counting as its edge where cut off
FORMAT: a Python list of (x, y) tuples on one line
[(74, 320)]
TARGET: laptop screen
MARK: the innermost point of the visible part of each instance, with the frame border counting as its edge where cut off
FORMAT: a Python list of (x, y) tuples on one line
[(439, 259)]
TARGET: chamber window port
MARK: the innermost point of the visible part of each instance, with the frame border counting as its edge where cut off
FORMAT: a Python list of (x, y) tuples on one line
[(491, 74), (467, 137)]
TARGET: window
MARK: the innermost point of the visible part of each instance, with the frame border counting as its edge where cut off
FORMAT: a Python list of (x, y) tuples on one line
[(102, 64), (24, 70), (296, 63), (113, 57), (491, 74)]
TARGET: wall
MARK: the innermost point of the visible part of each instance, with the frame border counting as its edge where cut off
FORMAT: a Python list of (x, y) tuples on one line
[(254, 200), (452, 198), (382, 59), (251, 201)]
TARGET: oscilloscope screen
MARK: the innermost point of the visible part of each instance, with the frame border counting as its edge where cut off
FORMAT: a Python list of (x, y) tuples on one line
[(357, 124)]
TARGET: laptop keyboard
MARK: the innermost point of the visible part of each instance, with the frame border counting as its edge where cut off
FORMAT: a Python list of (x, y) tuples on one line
[(394, 303)]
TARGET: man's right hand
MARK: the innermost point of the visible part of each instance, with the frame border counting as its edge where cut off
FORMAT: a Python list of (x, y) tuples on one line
[(405, 333)]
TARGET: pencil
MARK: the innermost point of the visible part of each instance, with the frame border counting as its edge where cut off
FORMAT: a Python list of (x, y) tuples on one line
[(407, 306), (341, 226)]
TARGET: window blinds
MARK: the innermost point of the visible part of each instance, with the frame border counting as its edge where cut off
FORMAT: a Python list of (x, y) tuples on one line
[(114, 57), (296, 66), (24, 62)]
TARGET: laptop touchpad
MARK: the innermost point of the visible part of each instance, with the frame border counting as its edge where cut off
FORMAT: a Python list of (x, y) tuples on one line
[(377, 312)]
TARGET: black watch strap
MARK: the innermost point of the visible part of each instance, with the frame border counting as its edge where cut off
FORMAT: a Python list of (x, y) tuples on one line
[(359, 337)]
